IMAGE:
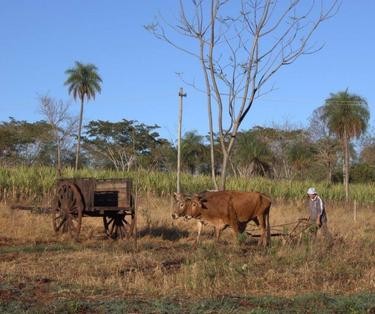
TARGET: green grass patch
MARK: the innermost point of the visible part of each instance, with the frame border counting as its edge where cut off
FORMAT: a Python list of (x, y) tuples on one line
[(311, 303), (39, 248)]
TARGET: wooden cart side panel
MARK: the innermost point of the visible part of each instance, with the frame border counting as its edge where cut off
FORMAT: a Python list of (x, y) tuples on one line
[(122, 187), (86, 187)]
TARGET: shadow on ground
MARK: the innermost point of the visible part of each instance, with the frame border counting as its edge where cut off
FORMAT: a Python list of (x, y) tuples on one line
[(166, 233)]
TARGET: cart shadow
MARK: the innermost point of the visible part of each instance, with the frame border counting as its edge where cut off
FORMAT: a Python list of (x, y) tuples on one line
[(166, 233)]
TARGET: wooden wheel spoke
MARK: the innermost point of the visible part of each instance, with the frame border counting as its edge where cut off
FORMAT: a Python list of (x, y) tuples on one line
[(62, 222), (122, 232), (105, 224), (69, 207), (58, 216), (74, 210), (118, 225), (115, 233), (73, 226), (126, 226), (74, 220), (110, 221), (65, 227), (112, 228)]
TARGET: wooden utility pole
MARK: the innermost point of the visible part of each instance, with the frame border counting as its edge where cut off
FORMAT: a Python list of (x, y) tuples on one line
[(181, 94)]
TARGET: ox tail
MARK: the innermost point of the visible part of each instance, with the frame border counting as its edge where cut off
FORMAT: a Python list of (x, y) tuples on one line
[(268, 226), (267, 211), (267, 220), (267, 197)]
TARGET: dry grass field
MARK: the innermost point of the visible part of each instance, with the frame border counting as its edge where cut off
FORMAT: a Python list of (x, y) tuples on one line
[(162, 272)]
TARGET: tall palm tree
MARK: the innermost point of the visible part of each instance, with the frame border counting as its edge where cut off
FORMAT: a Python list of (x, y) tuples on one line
[(83, 83), (347, 116)]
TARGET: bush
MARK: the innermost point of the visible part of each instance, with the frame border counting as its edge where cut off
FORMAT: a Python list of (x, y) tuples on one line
[(362, 173)]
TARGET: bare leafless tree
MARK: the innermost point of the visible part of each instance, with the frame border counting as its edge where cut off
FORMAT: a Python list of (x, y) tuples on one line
[(63, 124), (240, 46)]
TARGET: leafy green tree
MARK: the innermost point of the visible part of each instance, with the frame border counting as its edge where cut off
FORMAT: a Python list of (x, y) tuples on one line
[(364, 170), (367, 154), (124, 144), (362, 173), (279, 141), (163, 157), (347, 116), (26, 143), (301, 155), (83, 83)]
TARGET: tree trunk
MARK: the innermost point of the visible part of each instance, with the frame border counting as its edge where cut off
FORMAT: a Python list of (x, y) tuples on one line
[(346, 166), (212, 150), (79, 135), (58, 156), (226, 155), (329, 175), (209, 112), (180, 94), (224, 171), (234, 169)]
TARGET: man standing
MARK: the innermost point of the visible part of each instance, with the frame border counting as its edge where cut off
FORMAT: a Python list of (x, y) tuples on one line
[(317, 213)]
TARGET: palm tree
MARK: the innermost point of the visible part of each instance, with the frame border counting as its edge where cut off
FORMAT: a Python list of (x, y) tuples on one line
[(193, 151), (252, 156), (83, 82), (347, 116)]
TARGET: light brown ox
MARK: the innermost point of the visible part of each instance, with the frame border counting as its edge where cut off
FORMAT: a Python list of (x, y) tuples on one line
[(226, 208)]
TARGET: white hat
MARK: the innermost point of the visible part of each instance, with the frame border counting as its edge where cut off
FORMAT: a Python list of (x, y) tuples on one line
[(311, 191)]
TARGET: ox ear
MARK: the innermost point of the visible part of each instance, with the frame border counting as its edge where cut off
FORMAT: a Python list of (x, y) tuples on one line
[(175, 195), (199, 199), (203, 206), (199, 196), (203, 200), (196, 198), (178, 196)]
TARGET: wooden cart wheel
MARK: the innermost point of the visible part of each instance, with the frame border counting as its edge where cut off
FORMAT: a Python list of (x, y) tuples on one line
[(67, 211), (119, 226)]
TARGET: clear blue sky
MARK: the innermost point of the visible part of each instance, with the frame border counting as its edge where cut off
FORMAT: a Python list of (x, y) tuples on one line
[(40, 39)]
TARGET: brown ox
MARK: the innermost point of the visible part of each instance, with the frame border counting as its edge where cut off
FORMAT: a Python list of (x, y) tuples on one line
[(226, 208)]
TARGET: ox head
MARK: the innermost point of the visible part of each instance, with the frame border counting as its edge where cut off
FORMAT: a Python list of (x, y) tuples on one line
[(180, 206), (196, 206)]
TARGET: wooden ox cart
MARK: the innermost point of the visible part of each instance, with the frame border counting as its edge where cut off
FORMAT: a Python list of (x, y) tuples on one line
[(110, 199)]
